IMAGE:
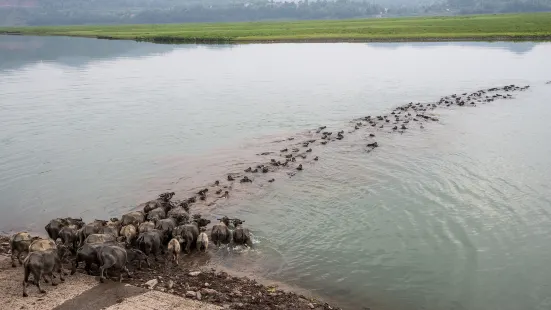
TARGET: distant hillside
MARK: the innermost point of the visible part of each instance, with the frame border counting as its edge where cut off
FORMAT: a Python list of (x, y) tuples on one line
[(82, 12)]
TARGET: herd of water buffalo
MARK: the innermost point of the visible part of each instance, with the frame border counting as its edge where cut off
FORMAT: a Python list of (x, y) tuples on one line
[(162, 227), (166, 226)]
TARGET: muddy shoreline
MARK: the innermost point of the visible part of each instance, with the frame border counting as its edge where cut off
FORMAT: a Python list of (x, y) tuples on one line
[(193, 280)]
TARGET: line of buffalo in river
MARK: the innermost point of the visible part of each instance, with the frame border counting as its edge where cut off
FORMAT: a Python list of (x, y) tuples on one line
[(165, 225), (402, 118)]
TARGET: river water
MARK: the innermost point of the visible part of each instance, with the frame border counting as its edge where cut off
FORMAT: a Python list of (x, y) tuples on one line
[(452, 216)]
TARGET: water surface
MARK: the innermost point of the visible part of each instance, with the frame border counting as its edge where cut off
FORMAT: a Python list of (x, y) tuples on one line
[(454, 216)]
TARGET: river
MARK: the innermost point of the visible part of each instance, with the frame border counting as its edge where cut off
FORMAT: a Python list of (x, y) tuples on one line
[(453, 216)]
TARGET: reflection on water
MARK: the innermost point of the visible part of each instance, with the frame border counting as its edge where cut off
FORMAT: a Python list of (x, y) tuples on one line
[(18, 51), (454, 216), (517, 48)]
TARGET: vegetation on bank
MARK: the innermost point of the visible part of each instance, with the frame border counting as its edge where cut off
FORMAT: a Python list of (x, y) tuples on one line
[(476, 27)]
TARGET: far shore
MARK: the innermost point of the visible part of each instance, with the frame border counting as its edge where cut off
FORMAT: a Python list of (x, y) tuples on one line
[(495, 27)]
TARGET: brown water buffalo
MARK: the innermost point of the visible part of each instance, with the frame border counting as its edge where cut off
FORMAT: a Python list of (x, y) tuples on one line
[(202, 241), (19, 243), (129, 234), (91, 228), (146, 226), (42, 245), (99, 238), (136, 218), (174, 249)]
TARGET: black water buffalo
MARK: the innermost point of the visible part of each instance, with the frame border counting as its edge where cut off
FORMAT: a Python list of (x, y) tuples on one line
[(88, 253), (241, 235), (180, 214), (41, 264), (151, 242), (69, 237), (166, 226), (220, 232), (113, 256), (162, 201), (54, 227), (156, 215)]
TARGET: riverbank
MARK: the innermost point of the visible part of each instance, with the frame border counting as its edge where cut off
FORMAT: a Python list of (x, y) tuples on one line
[(190, 285), (506, 27)]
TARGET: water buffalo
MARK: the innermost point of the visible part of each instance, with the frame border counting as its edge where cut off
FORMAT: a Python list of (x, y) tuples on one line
[(41, 264), (202, 241), (146, 226), (156, 215), (166, 226), (114, 222), (91, 228), (136, 218), (220, 232), (99, 238), (162, 201), (54, 227), (174, 249), (110, 230), (185, 237), (20, 243), (151, 242), (42, 245), (69, 236), (241, 235), (193, 228), (112, 256), (129, 234), (88, 253), (180, 214)]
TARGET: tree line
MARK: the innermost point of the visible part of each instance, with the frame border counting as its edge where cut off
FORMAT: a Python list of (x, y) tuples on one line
[(81, 12)]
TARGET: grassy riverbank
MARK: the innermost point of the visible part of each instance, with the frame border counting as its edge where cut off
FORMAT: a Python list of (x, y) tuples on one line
[(536, 26)]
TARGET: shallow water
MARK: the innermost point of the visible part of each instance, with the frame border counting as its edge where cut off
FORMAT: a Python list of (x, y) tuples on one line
[(453, 216)]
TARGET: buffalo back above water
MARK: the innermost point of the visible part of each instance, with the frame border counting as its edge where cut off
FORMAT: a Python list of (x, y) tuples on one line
[(220, 234), (99, 238), (146, 226), (178, 213), (42, 245), (136, 218)]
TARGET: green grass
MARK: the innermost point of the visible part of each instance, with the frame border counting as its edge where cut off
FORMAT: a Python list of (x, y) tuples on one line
[(535, 26)]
